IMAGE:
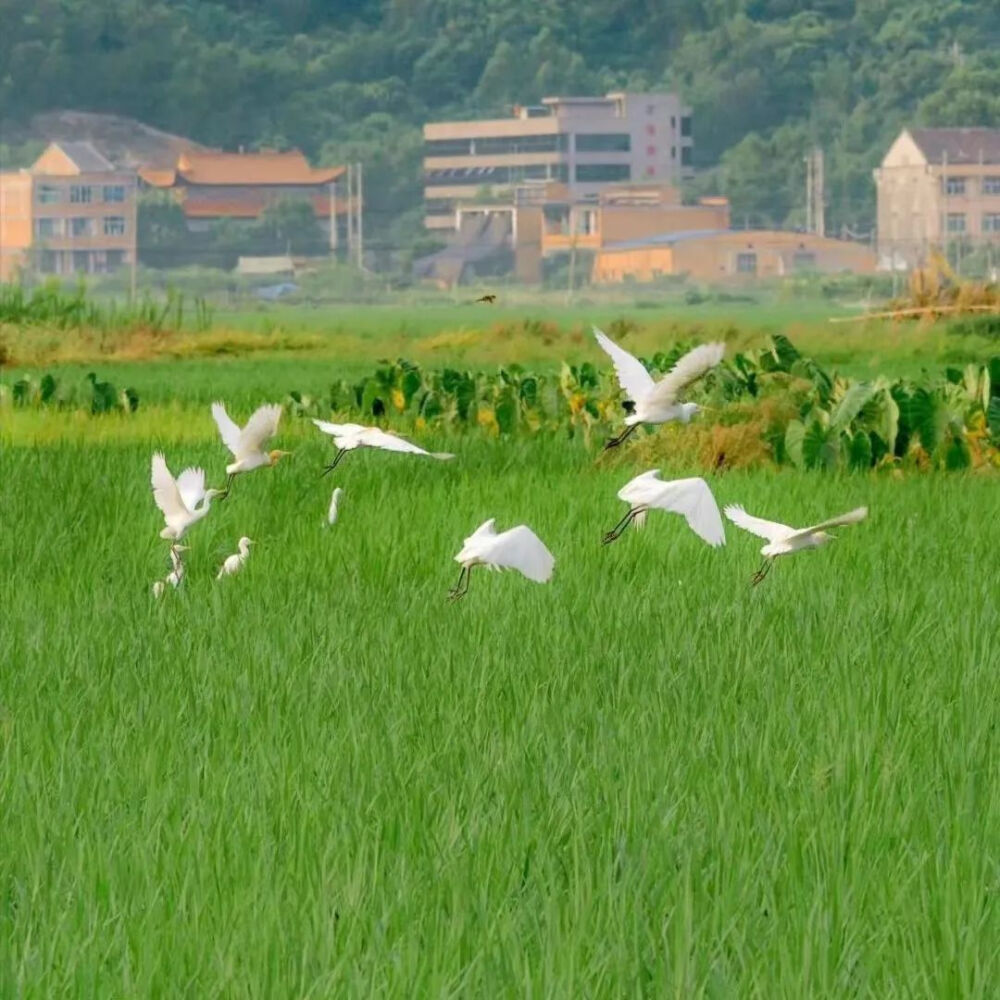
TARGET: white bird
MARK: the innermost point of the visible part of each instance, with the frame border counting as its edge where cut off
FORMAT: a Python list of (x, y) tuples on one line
[(782, 540), (657, 402), (347, 437), (234, 563), (158, 587), (690, 497), (331, 517), (247, 443), (519, 548), (174, 577), (179, 498)]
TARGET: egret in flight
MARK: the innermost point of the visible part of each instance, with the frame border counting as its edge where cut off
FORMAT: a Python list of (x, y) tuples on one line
[(347, 437), (657, 402), (519, 548), (183, 501), (247, 443), (783, 540), (331, 516), (234, 563), (690, 497)]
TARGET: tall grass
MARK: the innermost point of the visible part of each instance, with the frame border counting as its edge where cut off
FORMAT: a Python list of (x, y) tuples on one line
[(319, 779)]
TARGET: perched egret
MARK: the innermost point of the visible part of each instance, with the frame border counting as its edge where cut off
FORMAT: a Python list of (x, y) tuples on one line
[(247, 443), (331, 517), (519, 548), (234, 563), (783, 540), (657, 402), (179, 498), (347, 437), (690, 497)]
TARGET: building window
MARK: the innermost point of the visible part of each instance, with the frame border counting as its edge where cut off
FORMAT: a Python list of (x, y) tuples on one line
[(746, 263), (447, 147), (114, 225), (954, 185), (520, 144), (80, 194), (113, 259), (804, 260), (81, 261), (48, 262), (48, 227), (685, 156), (991, 185), (468, 176), (991, 222), (114, 192), (673, 152), (955, 222), (81, 226), (604, 142), (685, 125), (49, 194), (598, 173), (673, 121)]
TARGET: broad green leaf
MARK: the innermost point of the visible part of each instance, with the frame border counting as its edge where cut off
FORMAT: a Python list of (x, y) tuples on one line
[(858, 394)]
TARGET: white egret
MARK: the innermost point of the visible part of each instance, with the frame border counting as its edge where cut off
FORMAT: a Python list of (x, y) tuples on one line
[(179, 498), (347, 437), (519, 548), (657, 402), (247, 443), (782, 540), (174, 577), (234, 563), (158, 587), (690, 497), (331, 517)]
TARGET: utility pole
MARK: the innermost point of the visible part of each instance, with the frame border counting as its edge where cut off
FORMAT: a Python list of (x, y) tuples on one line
[(350, 211), (333, 218), (359, 168), (809, 192), (819, 193)]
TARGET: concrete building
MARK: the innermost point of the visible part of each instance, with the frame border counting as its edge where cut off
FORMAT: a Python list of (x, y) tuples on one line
[(586, 143), (71, 212), (729, 255), (936, 186)]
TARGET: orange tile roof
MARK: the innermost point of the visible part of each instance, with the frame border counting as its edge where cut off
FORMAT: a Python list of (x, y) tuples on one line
[(252, 168), (158, 178)]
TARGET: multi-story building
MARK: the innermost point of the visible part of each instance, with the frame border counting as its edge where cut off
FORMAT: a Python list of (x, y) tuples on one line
[(936, 186), (585, 143), (71, 212)]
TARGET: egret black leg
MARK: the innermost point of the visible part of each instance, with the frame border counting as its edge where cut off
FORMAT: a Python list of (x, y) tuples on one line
[(761, 573), (619, 528), (615, 441), (458, 590), (229, 486), (336, 461)]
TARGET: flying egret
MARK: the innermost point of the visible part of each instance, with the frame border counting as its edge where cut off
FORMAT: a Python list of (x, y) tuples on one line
[(657, 402), (234, 563), (331, 517), (246, 443), (179, 498), (782, 540), (519, 548), (347, 437), (690, 497)]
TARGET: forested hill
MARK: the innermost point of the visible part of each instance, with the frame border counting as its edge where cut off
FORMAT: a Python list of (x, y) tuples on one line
[(356, 78)]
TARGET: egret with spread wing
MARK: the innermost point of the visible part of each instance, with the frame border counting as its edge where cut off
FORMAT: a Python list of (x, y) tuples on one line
[(782, 540), (658, 402), (184, 501), (690, 497), (519, 548), (247, 443), (347, 437)]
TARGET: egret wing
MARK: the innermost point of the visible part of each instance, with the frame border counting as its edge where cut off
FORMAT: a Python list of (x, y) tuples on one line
[(632, 374), (636, 490), (191, 486), (770, 530), (688, 369), (851, 517), (521, 549), (262, 426), (693, 499), (228, 430), (165, 492), (373, 437), (337, 430)]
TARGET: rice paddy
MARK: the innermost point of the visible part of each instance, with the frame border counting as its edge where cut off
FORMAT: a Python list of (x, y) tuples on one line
[(318, 778)]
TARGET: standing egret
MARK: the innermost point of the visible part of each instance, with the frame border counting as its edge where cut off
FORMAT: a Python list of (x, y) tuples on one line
[(347, 437), (519, 548), (179, 498), (331, 517), (234, 563), (690, 497), (174, 577), (657, 402), (247, 443), (783, 540)]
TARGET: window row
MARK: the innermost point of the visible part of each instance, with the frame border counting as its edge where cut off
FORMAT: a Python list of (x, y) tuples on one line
[(965, 185), (110, 225), (586, 173), (955, 222), (79, 194)]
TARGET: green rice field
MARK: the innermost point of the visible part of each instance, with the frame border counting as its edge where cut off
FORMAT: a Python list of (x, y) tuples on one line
[(318, 778)]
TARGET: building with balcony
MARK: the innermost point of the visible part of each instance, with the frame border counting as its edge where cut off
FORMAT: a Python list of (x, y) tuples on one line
[(584, 143), (71, 212), (936, 186)]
